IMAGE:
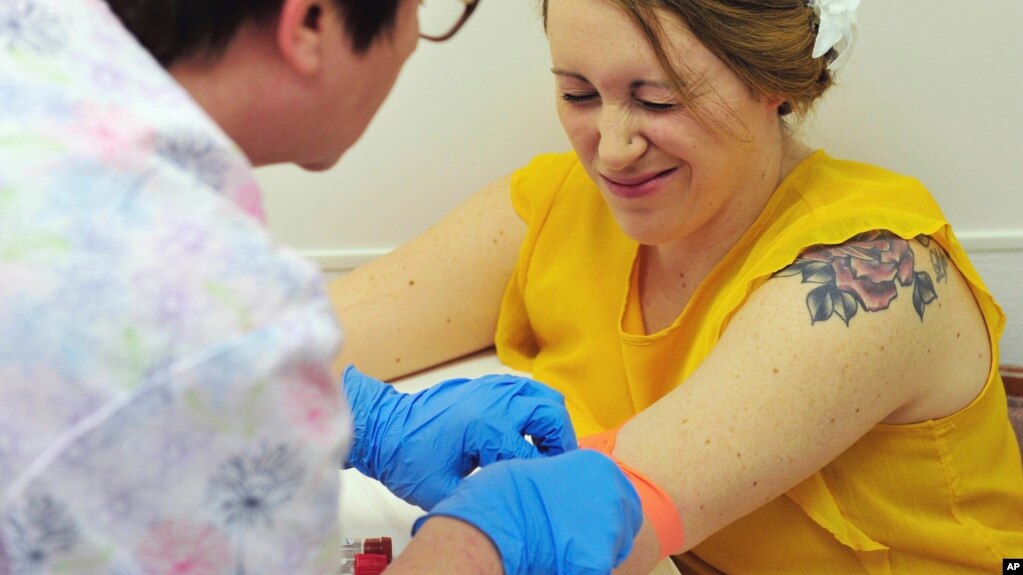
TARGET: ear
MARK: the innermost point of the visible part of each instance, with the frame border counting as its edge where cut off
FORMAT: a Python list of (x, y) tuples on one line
[(301, 34), (773, 100)]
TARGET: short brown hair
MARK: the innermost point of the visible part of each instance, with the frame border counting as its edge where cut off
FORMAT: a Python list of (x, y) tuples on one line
[(766, 43)]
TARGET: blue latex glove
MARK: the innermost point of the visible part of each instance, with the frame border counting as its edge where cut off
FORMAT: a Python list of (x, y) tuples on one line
[(421, 445), (575, 513)]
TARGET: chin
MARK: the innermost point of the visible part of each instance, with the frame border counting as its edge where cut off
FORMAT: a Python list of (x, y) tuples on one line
[(644, 229), (318, 165)]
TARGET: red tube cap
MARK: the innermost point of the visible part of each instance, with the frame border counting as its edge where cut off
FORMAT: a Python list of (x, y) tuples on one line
[(370, 564), (378, 545)]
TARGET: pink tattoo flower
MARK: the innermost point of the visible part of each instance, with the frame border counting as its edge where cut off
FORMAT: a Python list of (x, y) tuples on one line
[(860, 273)]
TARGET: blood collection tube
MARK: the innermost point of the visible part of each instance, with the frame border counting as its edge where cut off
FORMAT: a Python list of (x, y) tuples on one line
[(365, 556), (369, 564), (378, 545), (363, 564)]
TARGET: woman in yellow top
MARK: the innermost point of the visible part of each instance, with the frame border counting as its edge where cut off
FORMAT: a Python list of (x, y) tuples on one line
[(793, 351)]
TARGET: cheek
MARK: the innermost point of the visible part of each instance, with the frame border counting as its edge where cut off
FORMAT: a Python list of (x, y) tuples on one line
[(580, 127), (672, 141), (679, 136)]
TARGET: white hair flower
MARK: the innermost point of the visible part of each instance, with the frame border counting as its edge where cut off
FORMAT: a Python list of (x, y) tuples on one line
[(837, 29)]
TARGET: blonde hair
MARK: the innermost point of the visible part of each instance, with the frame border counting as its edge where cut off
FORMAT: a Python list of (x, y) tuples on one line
[(766, 43)]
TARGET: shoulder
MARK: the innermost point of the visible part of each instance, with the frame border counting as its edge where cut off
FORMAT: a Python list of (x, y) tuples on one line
[(824, 201), (148, 266), (146, 301), (826, 186), (903, 298), (546, 165), (233, 280), (535, 186), (863, 273), (820, 169)]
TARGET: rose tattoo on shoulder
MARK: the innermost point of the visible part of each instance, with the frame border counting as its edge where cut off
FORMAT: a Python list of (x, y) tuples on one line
[(861, 273)]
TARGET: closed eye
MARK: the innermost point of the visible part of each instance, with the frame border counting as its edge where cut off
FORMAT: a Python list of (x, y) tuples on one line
[(577, 98), (656, 106)]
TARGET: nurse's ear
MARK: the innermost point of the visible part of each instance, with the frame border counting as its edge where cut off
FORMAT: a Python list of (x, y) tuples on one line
[(303, 28)]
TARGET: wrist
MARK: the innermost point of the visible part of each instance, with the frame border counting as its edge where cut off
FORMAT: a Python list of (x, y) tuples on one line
[(370, 403), (451, 546)]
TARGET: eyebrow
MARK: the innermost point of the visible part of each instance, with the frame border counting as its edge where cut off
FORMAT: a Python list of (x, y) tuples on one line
[(633, 85)]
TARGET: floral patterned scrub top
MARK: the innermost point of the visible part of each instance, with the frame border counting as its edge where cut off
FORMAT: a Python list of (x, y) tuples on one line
[(166, 404)]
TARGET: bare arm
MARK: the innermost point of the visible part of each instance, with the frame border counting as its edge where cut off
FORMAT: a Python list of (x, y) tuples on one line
[(781, 396), (446, 546), (436, 298)]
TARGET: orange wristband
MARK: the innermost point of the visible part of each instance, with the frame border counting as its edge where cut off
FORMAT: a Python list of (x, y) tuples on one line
[(657, 506)]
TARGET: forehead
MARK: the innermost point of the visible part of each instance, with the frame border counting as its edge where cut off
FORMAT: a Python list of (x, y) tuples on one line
[(602, 38)]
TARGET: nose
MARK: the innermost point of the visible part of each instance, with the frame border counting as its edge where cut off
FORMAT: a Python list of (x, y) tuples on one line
[(620, 140)]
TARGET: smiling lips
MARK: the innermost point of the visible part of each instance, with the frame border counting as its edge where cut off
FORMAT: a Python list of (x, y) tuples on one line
[(637, 186)]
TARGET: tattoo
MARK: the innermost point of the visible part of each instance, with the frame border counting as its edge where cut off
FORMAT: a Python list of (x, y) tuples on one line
[(862, 273), (938, 258), (940, 263)]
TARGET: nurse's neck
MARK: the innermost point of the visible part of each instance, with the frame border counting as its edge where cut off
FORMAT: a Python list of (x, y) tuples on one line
[(245, 91)]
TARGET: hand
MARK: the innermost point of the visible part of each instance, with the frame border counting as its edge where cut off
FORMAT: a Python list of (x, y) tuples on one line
[(574, 513), (420, 446)]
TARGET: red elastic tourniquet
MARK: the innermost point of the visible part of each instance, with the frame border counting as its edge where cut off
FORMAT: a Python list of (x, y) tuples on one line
[(657, 506)]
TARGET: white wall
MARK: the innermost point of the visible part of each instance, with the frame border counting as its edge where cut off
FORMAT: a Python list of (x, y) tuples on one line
[(932, 89)]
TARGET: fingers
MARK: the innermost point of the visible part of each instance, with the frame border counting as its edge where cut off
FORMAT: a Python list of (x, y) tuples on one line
[(550, 427), (353, 375), (547, 426), (548, 423), (518, 448), (538, 411), (354, 380), (583, 493)]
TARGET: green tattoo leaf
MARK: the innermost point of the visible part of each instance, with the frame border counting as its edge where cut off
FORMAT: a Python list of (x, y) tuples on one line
[(923, 292)]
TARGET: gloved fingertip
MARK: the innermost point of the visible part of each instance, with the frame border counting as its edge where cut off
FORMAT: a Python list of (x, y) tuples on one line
[(537, 389), (524, 450), (511, 449), (558, 444), (418, 524), (428, 501), (351, 374)]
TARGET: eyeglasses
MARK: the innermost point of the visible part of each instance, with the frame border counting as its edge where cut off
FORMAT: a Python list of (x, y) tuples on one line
[(440, 19)]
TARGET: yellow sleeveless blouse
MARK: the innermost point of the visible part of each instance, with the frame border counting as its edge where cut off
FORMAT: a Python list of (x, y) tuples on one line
[(942, 496)]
